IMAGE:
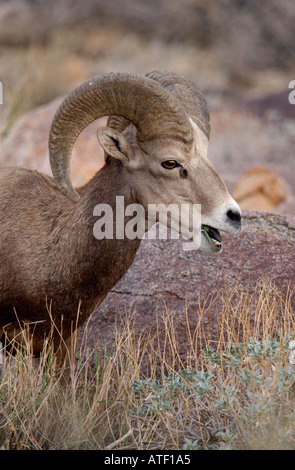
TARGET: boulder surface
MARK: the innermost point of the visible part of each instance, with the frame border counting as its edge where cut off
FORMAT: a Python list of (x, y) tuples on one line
[(187, 285)]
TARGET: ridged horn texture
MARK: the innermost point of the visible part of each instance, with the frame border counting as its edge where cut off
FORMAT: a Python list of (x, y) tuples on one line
[(139, 99), (186, 91)]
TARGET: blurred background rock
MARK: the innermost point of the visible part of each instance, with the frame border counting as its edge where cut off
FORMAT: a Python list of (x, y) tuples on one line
[(241, 53)]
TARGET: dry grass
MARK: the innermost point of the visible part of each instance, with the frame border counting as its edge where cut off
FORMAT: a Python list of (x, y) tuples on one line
[(237, 393)]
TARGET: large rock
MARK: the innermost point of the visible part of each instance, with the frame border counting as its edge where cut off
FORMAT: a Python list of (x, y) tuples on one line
[(165, 278)]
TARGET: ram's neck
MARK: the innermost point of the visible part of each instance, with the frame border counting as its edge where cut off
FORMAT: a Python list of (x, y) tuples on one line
[(97, 265)]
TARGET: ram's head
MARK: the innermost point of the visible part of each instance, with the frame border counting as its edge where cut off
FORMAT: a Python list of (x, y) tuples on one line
[(159, 129)]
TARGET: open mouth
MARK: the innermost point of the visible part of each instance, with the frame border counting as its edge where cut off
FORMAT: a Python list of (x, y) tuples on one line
[(213, 236)]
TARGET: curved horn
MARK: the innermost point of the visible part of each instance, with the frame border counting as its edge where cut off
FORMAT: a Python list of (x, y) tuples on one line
[(140, 100), (186, 91)]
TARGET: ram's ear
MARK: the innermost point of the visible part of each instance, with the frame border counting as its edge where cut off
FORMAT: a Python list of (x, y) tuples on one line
[(115, 144)]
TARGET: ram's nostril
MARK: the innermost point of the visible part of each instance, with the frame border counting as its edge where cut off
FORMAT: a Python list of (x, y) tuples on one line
[(235, 216)]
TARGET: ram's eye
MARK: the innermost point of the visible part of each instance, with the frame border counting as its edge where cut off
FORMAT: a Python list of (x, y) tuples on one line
[(170, 164)]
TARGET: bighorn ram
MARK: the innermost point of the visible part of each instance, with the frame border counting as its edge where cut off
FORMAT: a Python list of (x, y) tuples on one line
[(155, 152)]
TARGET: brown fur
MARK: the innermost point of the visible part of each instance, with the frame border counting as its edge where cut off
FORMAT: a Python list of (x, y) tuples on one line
[(49, 257)]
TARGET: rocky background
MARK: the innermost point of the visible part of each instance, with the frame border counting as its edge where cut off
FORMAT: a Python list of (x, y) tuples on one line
[(242, 55)]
